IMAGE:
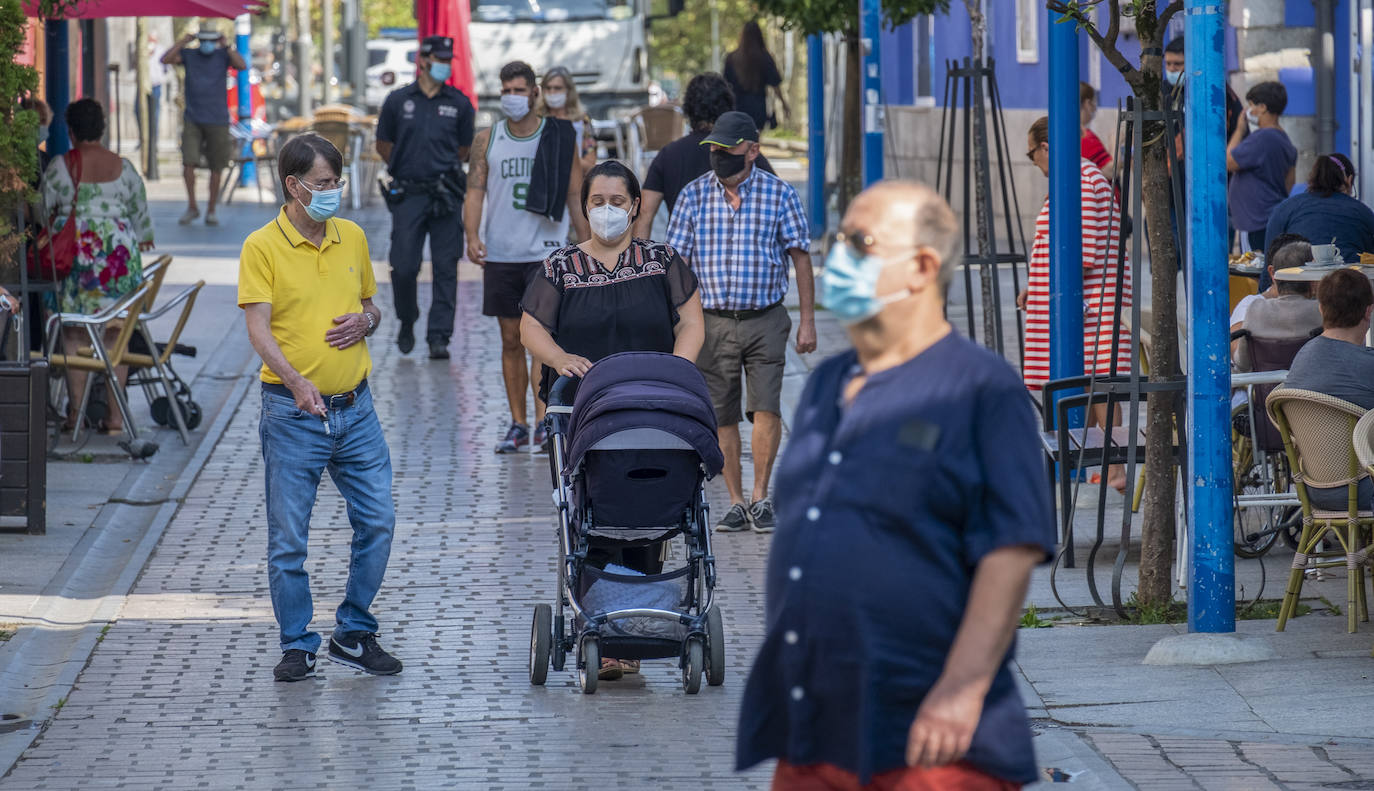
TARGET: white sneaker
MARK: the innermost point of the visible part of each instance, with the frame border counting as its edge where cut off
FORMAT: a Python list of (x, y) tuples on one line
[(211, 219), (189, 217)]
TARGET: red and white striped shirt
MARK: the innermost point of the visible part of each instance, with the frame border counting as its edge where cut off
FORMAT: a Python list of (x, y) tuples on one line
[(1101, 234)]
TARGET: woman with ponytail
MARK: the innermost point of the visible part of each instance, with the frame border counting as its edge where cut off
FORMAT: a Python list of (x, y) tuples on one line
[(1327, 210)]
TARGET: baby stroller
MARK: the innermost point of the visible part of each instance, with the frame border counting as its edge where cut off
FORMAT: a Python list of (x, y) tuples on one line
[(630, 457)]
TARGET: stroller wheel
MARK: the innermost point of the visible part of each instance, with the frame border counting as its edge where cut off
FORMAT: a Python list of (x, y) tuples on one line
[(159, 410), (715, 648), (692, 666), (587, 675), (541, 636), (193, 415)]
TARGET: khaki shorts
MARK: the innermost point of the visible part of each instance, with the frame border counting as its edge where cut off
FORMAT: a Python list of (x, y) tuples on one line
[(757, 346), (210, 143)]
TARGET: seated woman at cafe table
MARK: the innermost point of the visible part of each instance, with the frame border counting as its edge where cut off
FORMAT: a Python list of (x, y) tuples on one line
[(1337, 362), (1326, 212), (1287, 309)]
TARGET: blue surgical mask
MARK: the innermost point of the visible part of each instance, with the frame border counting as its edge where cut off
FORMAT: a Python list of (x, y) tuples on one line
[(850, 283), (1173, 77), (323, 203), (440, 72), (207, 47)]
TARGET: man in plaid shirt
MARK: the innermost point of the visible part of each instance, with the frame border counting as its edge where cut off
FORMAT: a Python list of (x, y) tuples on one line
[(737, 226)]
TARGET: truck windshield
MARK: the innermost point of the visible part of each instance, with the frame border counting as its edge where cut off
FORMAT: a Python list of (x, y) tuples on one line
[(549, 10)]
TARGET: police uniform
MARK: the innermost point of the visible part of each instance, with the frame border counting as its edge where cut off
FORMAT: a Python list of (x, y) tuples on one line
[(427, 134)]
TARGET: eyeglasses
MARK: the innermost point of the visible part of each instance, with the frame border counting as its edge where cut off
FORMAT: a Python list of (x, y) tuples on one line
[(860, 241), (1031, 153), (337, 184)]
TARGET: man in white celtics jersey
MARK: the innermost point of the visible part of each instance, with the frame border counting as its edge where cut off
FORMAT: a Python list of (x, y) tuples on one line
[(510, 242)]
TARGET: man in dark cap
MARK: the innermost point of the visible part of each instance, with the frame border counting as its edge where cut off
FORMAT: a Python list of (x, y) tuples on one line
[(737, 226), (424, 131)]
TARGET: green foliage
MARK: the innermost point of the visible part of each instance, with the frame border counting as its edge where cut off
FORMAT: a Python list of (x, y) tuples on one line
[(842, 16), (377, 13), (1030, 619), (18, 127), (681, 45)]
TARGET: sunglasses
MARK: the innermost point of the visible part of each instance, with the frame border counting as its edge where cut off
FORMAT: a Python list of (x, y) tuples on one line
[(1031, 153)]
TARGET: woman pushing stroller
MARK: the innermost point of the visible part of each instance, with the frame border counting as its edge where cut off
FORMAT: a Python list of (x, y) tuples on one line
[(612, 293)]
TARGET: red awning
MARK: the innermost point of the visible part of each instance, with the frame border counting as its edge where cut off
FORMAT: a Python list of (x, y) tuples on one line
[(450, 18), (100, 9)]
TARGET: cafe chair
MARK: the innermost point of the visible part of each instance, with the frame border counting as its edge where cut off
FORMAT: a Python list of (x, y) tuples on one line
[(1317, 431), (102, 359), (150, 363)]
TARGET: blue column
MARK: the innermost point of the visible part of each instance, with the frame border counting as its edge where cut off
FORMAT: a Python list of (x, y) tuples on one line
[(870, 34), (1066, 205), (243, 28), (59, 87), (815, 123), (1211, 594)]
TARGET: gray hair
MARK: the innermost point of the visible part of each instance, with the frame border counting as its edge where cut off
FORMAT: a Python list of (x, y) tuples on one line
[(1291, 254), (937, 228)]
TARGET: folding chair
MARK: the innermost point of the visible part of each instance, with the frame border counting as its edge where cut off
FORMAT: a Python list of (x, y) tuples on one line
[(1318, 432), (102, 360), (155, 368)]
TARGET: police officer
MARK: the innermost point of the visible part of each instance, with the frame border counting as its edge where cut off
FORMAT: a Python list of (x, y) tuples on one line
[(423, 134)]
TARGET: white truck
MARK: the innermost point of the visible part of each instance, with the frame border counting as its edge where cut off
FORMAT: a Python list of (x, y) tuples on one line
[(602, 42)]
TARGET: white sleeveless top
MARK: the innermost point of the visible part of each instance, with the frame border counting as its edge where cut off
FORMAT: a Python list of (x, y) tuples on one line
[(511, 234)]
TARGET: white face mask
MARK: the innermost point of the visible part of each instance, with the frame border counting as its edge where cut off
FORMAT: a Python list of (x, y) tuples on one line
[(1252, 118), (556, 101), (515, 106), (609, 223)]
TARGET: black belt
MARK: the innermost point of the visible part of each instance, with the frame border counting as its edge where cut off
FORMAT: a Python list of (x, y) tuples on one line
[(741, 315), (330, 401)]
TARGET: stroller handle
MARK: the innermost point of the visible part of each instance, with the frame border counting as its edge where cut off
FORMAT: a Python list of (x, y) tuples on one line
[(563, 391)]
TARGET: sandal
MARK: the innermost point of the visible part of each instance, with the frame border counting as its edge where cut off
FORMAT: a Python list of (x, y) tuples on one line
[(629, 666), (610, 670)]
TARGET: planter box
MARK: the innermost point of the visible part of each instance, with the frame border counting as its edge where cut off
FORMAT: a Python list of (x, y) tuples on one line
[(23, 448)]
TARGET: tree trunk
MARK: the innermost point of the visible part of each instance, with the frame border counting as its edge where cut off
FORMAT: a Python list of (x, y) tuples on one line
[(147, 148), (1157, 530), (982, 201), (851, 161)]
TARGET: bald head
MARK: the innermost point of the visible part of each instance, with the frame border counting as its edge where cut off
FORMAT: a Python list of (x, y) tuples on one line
[(902, 215)]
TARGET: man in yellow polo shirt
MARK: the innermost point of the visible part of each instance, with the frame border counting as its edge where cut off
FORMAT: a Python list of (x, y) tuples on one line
[(306, 288)]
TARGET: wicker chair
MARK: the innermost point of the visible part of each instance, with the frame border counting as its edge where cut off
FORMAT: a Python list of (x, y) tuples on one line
[(1315, 428)]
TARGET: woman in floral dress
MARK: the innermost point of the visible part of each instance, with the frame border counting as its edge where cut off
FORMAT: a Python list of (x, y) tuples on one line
[(112, 230)]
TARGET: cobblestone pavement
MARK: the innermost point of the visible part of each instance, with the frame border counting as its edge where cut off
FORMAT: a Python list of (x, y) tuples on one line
[(180, 693)]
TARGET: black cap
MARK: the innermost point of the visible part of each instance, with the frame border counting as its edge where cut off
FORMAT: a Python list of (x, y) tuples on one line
[(731, 129), (437, 46)]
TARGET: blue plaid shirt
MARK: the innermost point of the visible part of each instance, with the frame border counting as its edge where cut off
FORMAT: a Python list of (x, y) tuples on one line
[(740, 257)]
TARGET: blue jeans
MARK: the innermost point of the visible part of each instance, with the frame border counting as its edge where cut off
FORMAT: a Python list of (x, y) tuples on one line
[(296, 450)]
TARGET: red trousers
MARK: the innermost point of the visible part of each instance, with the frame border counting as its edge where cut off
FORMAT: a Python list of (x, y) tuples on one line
[(827, 777)]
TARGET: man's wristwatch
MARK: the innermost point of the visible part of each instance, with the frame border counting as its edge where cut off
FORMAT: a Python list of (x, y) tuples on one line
[(371, 323)]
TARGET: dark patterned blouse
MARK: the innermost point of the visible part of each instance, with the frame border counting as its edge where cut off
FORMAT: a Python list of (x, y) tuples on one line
[(594, 313)]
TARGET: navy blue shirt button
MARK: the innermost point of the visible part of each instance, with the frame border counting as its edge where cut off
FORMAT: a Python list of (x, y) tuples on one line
[(794, 573), (791, 637), (798, 693), (813, 513), (836, 457)]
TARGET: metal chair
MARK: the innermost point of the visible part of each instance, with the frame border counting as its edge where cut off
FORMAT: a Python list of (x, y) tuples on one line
[(1318, 432), (103, 359), (154, 368)]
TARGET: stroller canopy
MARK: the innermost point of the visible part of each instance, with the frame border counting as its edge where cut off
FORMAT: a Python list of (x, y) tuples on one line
[(634, 390)]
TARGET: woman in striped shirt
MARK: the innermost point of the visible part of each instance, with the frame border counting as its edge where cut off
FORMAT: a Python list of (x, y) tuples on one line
[(1101, 275)]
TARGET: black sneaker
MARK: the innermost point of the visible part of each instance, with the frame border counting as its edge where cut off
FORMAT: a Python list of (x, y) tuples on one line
[(405, 341), (364, 654), (295, 665), (736, 520), (438, 350), (517, 437), (761, 514)]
